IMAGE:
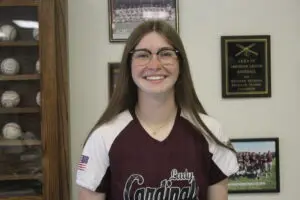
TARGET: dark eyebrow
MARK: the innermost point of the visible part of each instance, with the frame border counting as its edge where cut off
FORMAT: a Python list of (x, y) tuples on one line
[(160, 49), (143, 49), (165, 48)]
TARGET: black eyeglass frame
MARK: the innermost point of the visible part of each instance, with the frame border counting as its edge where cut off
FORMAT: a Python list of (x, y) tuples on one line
[(160, 50)]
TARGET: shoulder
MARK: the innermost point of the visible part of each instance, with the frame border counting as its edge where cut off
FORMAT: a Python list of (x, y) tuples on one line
[(93, 167), (108, 132), (224, 158), (210, 122), (118, 123), (214, 126)]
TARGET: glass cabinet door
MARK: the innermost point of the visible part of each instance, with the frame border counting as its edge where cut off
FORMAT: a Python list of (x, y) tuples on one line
[(21, 174)]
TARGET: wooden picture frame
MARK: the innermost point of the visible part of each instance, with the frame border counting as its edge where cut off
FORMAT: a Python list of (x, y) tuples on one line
[(113, 71), (246, 66), (259, 168), (125, 15)]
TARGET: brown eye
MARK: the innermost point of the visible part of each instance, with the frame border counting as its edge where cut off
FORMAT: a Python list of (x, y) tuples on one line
[(141, 55), (167, 53)]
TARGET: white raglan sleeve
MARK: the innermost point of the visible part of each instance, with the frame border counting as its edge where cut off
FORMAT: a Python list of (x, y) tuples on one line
[(224, 158), (93, 163)]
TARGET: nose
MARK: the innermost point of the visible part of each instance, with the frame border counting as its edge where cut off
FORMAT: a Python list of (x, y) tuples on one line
[(154, 62)]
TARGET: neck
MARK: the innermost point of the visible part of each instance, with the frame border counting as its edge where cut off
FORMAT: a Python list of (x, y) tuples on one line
[(156, 109)]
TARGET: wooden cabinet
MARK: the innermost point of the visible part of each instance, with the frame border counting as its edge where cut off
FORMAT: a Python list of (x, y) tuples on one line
[(34, 130)]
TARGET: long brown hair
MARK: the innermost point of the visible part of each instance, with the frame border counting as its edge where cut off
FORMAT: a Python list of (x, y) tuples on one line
[(125, 94)]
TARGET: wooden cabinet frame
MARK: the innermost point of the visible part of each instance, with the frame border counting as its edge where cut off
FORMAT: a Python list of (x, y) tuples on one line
[(54, 96)]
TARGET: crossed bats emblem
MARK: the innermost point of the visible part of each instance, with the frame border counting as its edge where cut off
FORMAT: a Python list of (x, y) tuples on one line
[(246, 50)]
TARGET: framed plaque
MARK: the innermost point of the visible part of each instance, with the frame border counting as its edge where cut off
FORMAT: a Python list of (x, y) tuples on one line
[(126, 15), (113, 72), (246, 66)]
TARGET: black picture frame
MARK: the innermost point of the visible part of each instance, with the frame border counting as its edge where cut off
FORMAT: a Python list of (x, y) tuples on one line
[(113, 72), (258, 173), (125, 15), (246, 66)]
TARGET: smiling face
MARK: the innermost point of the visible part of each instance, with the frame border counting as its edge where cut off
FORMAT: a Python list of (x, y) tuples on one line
[(152, 73)]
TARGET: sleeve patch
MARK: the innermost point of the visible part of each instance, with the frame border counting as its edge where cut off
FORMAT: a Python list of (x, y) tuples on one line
[(83, 162)]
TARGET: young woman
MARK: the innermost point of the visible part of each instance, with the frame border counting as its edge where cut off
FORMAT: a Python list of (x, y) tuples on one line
[(155, 141)]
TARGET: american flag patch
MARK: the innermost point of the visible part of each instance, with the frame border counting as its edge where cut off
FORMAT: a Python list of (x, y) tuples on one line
[(83, 162)]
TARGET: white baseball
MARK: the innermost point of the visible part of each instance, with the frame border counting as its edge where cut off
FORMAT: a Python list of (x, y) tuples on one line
[(28, 136), (37, 66), (38, 98), (10, 99), (9, 66), (8, 32), (11, 131), (35, 34)]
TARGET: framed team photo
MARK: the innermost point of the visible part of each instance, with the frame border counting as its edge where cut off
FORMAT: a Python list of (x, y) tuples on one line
[(125, 15), (113, 72), (258, 160)]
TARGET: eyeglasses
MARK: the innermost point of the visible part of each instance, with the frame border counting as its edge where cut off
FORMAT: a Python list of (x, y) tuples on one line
[(165, 56)]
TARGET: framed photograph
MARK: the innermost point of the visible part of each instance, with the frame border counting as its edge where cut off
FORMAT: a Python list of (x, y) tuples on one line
[(125, 15), (246, 66), (258, 160), (113, 72)]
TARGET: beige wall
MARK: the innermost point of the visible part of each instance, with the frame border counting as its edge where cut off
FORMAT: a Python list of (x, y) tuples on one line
[(201, 24)]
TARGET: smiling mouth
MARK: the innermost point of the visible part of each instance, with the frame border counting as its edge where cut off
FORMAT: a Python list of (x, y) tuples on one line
[(155, 78)]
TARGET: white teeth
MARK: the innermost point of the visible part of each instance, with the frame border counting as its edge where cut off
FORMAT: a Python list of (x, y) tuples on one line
[(155, 77)]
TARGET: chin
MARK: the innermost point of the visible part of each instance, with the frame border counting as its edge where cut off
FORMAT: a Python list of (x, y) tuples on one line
[(156, 91)]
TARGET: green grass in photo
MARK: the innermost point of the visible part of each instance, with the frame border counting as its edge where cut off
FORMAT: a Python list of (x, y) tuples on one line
[(263, 183)]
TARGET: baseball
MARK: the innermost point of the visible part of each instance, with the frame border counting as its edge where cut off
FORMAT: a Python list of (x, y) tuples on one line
[(8, 32), (38, 98), (10, 99), (37, 66), (11, 131), (28, 136), (9, 66), (35, 34)]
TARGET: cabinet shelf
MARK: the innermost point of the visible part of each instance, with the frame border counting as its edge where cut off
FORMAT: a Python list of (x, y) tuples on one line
[(18, 43), (23, 198), (4, 142), (41, 35), (20, 77), (20, 177), (19, 3), (19, 110)]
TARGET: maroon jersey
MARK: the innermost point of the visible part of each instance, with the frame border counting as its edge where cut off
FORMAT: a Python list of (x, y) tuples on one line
[(122, 160), (269, 157)]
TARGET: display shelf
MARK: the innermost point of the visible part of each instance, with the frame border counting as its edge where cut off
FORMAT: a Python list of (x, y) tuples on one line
[(21, 177), (19, 143), (20, 77), (19, 110), (18, 43), (19, 3), (35, 52), (23, 198)]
